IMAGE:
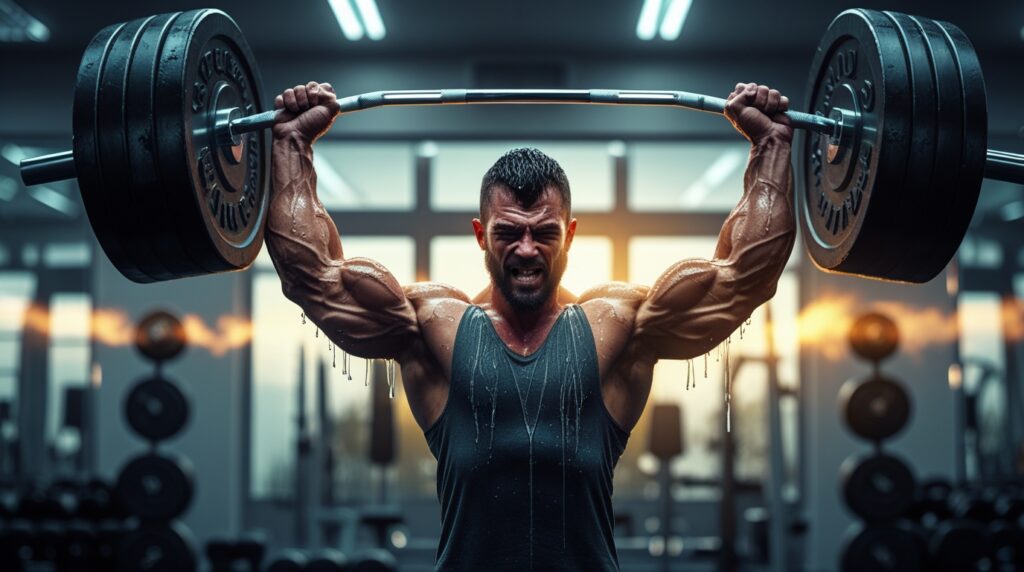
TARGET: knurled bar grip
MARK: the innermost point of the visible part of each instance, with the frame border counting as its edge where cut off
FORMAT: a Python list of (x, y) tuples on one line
[(685, 99)]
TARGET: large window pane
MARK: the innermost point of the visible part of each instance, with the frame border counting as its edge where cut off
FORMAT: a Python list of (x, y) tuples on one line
[(365, 176), (278, 338), (703, 176), (702, 402), (458, 169)]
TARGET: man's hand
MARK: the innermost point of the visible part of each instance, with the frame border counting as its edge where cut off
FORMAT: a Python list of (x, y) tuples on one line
[(757, 112), (309, 111)]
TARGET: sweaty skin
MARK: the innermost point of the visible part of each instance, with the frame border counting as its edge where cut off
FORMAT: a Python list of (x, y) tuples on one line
[(688, 311)]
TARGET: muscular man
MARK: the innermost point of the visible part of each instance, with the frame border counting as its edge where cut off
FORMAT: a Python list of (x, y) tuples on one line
[(526, 395)]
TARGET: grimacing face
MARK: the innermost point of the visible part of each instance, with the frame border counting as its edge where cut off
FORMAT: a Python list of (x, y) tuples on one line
[(525, 248)]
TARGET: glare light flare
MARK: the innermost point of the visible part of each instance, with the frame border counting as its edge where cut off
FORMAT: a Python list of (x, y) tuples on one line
[(371, 19), (666, 20), (825, 323), (113, 327)]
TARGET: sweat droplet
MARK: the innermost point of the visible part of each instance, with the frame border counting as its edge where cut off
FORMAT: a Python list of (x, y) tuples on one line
[(303, 316)]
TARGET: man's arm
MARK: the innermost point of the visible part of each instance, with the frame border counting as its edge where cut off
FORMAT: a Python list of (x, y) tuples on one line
[(696, 303), (355, 301)]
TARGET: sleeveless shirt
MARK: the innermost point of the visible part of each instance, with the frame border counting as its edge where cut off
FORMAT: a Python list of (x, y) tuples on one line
[(525, 450)]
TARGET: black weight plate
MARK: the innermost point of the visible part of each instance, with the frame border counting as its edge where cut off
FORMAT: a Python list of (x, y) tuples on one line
[(219, 199), (327, 560), (882, 548), (874, 336), (941, 190), (973, 108), (850, 210), (875, 408), (96, 196), (877, 488), (959, 546), (146, 222), (156, 409), (155, 487), (160, 336), (932, 498), (156, 548), (111, 105), (926, 188)]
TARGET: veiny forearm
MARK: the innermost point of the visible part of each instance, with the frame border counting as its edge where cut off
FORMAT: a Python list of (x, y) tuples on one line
[(356, 302), (757, 237), (697, 303)]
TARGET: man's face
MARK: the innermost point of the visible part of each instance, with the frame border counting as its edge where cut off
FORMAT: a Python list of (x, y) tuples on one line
[(525, 248)]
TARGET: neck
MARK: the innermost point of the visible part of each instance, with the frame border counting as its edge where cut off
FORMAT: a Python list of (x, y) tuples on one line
[(524, 321)]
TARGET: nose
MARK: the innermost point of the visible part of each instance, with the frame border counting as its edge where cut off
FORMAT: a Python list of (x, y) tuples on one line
[(526, 247)]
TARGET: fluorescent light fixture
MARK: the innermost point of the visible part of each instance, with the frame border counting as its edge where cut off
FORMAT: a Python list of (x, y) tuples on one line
[(647, 25), (371, 19), (354, 26), (17, 25), (1012, 211), (675, 15), (53, 199), (350, 25)]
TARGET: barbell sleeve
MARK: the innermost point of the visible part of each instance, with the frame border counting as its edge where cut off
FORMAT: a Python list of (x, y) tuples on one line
[(683, 99), (1004, 166), (48, 168)]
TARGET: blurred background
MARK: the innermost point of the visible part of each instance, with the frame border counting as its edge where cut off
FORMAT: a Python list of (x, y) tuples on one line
[(650, 186)]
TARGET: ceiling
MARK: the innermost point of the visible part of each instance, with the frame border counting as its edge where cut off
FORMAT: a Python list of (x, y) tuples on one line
[(552, 28)]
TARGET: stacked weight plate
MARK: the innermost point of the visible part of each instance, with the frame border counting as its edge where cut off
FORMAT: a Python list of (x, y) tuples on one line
[(165, 200), (897, 202)]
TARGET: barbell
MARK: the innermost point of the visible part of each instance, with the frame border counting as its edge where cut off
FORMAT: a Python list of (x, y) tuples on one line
[(171, 152)]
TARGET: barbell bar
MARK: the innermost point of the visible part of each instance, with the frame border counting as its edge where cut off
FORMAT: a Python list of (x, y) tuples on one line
[(172, 160), (999, 165)]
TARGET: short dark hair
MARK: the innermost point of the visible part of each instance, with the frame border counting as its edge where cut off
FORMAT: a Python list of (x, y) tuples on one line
[(526, 172)]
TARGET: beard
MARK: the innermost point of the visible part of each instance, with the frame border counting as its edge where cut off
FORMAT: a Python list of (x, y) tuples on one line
[(526, 299)]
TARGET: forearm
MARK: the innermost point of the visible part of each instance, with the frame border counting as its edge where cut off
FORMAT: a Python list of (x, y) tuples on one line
[(758, 235), (301, 237)]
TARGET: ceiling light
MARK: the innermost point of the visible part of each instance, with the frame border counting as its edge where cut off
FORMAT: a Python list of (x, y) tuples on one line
[(371, 19), (647, 25), (350, 25), (17, 25), (675, 15), (361, 20)]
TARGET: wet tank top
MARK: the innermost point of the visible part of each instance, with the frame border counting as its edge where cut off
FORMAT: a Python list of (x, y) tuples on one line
[(525, 450)]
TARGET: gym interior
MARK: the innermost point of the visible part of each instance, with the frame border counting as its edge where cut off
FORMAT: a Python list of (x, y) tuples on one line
[(204, 423)]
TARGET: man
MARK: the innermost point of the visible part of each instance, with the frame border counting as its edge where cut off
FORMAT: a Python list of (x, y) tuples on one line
[(527, 396)]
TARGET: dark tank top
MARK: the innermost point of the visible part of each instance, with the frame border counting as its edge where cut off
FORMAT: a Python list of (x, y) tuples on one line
[(525, 450)]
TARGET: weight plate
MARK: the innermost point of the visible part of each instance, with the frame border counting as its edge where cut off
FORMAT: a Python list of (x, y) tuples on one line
[(218, 194), (880, 548), (874, 336), (959, 546), (156, 409), (166, 548), (948, 147), (874, 409), (851, 202), (160, 336), (931, 500), (288, 561), (155, 487), (1007, 545), (926, 188), (96, 195), (877, 488), (974, 117), (164, 258)]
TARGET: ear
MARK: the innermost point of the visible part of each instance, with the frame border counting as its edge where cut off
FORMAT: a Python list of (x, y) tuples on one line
[(478, 230), (570, 232)]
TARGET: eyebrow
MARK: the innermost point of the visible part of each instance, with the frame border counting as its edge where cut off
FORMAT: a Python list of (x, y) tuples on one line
[(545, 227)]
